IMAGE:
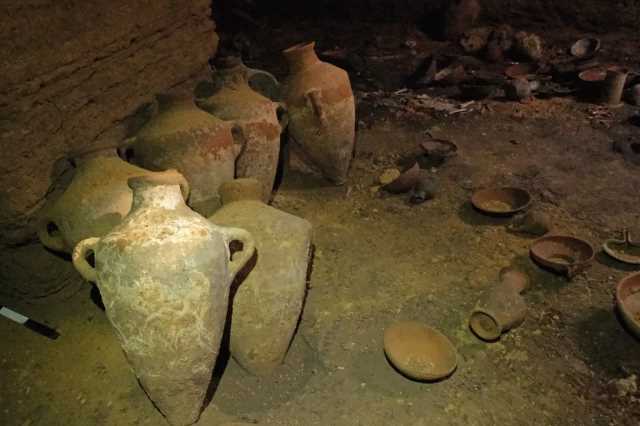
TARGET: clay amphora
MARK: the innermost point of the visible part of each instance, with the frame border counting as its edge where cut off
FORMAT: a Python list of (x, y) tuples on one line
[(268, 302), (164, 275), (256, 115), (260, 81), (183, 137), (321, 114), (96, 200), (502, 307)]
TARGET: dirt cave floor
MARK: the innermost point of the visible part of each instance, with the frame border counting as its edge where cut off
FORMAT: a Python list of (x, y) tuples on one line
[(377, 260)]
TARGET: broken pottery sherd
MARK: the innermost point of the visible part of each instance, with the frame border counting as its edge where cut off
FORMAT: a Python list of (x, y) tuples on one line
[(200, 146), (562, 254), (628, 302), (321, 108), (419, 351), (405, 181), (269, 299), (96, 200), (164, 275), (502, 307), (258, 118)]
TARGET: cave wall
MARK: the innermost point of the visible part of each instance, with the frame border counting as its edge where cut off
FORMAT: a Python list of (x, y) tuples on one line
[(586, 14), (74, 72)]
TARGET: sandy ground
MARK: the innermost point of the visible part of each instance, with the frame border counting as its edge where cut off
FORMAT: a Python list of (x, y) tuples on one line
[(378, 260)]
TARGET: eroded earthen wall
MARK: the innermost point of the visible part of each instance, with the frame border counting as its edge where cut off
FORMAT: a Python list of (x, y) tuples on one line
[(73, 70)]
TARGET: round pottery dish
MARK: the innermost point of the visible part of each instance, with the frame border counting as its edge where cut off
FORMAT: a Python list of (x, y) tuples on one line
[(628, 302), (624, 250), (562, 254), (501, 201), (419, 351)]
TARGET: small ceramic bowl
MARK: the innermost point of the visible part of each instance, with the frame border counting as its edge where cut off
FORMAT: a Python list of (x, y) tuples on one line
[(501, 201), (419, 352), (562, 254), (624, 250), (628, 302)]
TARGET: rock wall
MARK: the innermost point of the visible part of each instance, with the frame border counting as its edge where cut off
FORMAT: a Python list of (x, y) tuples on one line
[(588, 14), (73, 71)]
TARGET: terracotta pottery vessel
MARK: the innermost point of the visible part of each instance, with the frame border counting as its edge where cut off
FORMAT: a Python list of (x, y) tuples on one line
[(628, 302), (613, 87), (96, 200), (502, 308), (261, 81), (256, 115), (164, 275), (200, 146), (321, 115), (269, 300), (419, 352)]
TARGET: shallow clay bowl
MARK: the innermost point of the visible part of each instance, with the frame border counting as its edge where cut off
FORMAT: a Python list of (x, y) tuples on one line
[(501, 201), (628, 301), (563, 254), (419, 351), (623, 250)]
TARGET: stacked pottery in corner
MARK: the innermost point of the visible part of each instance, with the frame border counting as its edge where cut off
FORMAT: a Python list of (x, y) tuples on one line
[(321, 110), (95, 201), (164, 275), (269, 300), (256, 115), (183, 137)]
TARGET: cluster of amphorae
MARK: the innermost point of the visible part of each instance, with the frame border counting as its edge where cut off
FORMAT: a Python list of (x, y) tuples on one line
[(165, 272)]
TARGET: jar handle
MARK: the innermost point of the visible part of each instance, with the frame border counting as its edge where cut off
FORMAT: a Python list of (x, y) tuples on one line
[(173, 176), (241, 257), (53, 242), (282, 112), (314, 97), (125, 149), (239, 139), (79, 258)]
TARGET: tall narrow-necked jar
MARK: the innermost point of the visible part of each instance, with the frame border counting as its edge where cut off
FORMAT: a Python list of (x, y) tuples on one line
[(96, 200), (321, 109), (258, 118), (164, 275), (183, 137)]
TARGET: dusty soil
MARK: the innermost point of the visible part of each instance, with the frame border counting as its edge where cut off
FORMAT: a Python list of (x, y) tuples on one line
[(378, 260)]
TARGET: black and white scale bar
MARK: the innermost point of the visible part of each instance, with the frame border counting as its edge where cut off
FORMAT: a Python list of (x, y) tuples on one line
[(39, 328)]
